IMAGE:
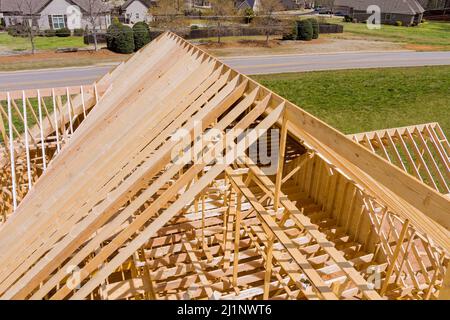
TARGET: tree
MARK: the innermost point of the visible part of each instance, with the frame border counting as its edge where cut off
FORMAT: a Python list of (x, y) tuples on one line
[(220, 11), (169, 14), (266, 18), (94, 10), (27, 8)]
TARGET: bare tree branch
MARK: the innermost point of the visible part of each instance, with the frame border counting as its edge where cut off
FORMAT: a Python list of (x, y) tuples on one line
[(169, 14), (220, 11), (27, 9), (95, 9), (266, 17)]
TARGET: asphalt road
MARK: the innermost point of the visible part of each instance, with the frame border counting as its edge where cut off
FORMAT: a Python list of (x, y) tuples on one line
[(51, 78), (248, 65)]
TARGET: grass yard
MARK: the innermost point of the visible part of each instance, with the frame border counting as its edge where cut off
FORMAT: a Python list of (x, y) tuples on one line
[(17, 120), (8, 42), (362, 100), (429, 35)]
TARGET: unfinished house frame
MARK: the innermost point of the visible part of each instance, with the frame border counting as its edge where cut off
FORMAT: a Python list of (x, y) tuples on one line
[(41, 123), (164, 191)]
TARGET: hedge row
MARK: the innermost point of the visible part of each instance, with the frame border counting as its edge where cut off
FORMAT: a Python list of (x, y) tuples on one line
[(305, 30), (123, 39), (21, 31)]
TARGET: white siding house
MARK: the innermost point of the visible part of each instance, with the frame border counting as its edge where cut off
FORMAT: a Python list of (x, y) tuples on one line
[(137, 10), (56, 14)]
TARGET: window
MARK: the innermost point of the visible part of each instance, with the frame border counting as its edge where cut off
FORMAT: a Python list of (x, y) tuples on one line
[(137, 15), (58, 22)]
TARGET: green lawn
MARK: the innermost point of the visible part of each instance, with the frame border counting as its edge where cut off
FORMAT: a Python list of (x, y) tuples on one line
[(436, 34), (362, 100), (8, 42)]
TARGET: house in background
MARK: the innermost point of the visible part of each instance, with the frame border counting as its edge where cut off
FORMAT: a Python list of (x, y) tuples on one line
[(56, 14), (137, 11), (197, 4), (409, 12), (430, 5), (436, 7), (245, 4), (254, 4)]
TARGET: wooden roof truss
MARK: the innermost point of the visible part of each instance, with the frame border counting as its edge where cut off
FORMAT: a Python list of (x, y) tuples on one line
[(422, 150), (117, 215)]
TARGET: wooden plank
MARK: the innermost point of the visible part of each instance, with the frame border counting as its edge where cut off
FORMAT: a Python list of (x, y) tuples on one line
[(305, 224), (198, 268), (444, 293), (142, 169), (282, 151), (174, 208)]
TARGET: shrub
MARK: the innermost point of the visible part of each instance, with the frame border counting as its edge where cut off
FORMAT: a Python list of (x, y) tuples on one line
[(141, 34), (63, 32), (11, 31), (115, 20), (78, 32), (315, 26), (194, 27), (288, 36), (398, 23), (348, 19), (111, 35), (17, 31), (50, 33), (304, 30), (125, 40), (290, 32), (119, 38)]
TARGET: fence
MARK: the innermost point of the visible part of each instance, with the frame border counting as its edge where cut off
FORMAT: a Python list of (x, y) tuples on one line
[(226, 32), (330, 28)]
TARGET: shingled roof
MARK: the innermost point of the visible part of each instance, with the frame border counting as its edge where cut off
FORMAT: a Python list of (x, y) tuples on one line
[(147, 3), (390, 6), (38, 5)]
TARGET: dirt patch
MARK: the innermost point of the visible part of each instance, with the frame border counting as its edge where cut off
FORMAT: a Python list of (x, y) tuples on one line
[(322, 45), (273, 43)]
